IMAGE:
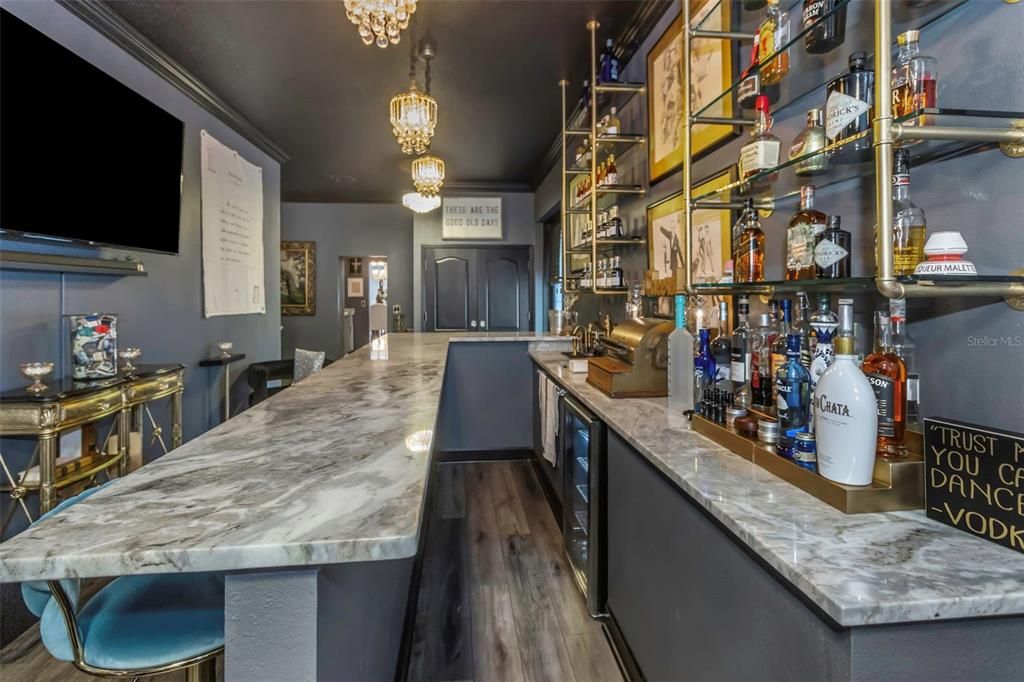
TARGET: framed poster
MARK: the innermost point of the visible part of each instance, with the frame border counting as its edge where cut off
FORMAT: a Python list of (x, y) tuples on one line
[(471, 218), (711, 73), (298, 278), (711, 231), (354, 287), (665, 103), (665, 221)]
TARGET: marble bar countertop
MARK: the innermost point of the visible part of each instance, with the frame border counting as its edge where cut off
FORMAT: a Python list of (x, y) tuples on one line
[(860, 569), (331, 470)]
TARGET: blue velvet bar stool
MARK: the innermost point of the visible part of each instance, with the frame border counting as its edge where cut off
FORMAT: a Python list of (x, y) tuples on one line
[(135, 626)]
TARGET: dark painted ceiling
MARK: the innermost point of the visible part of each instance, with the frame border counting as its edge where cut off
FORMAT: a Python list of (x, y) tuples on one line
[(300, 73)]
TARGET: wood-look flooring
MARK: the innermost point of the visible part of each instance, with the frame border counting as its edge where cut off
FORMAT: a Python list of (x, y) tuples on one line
[(497, 600)]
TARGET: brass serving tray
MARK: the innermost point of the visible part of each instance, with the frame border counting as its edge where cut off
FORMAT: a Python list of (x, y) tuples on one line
[(897, 485)]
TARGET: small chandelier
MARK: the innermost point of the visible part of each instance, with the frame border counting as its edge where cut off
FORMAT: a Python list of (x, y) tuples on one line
[(413, 118), (380, 21), (419, 203), (428, 175)]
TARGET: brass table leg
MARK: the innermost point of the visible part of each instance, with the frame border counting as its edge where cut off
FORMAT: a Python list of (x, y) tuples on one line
[(176, 419), (48, 444), (124, 429)]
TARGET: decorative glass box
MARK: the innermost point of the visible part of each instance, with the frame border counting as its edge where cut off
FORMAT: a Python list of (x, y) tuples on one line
[(93, 345)]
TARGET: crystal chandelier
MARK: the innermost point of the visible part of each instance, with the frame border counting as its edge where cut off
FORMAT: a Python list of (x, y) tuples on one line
[(413, 118), (419, 203), (380, 21), (428, 175)]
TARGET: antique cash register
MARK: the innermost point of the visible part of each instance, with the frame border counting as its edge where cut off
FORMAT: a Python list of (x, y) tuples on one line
[(635, 361)]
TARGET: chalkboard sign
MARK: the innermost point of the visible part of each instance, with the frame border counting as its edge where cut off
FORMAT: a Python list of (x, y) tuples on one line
[(974, 480)]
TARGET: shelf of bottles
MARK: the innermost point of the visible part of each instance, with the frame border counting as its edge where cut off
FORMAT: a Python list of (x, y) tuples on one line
[(838, 143), (592, 140)]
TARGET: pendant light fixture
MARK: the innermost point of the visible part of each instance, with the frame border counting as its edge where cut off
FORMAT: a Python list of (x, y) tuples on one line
[(419, 203), (428, 175), (414, 113), (380, 21)]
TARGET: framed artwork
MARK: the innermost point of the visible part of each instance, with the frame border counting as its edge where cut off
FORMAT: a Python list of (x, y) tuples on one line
[(711, 231), (665, 221), (354, 287), (298, 278), (711, 72), (355, 266)]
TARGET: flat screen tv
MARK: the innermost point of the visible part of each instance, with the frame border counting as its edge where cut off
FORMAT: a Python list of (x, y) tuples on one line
[(83, 158)]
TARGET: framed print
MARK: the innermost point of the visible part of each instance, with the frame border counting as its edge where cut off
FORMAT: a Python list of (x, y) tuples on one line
[(355, 266), (354, 287), (711, 231), (711, 72), (298, 278), (665, 103), (665, 221)]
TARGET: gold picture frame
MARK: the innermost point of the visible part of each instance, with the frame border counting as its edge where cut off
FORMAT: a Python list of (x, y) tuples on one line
[(298, 278), (711, 247), (665, 220), (711, 71)]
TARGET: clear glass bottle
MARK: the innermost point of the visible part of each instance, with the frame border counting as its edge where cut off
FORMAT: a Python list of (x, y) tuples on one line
[(771, 36), (829, 33), (680, 361), (721, 345), (810, 140), (832, 251), (613, 126), (849, 110), (778, 355), (793, 390), (904, 347), (801, 236), (761, 152), (740, 351), (704, 369), (914, 79), (803, 328), (748, 256), (761, 362), (888, 377), (909, 224)]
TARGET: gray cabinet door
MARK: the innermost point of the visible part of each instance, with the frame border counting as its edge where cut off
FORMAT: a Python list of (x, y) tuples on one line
[(450, 282), (476, 288), (505, 289)]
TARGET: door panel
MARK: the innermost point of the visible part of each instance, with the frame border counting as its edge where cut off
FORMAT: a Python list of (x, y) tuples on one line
[(505, 288), (450, 291), (471, 288)]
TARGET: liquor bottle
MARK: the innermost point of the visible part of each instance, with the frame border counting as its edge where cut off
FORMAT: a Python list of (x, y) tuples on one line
[(762, 152), (778, 356), (614, 225), (802, 328), (888, 377), (761, 362), (914, 79), (772, 35), (849, 110), (748, 255), (611, 176), (832, 251), (613, 126), (609, 72), (739, 367), (801, 236), (829, 33), (746, 215), (904, 347), (909, 224), (793, 389), (751, 87), (823, 323), (845, 412), (823, 354), (704, 369), (680, 361), (810, 140), (614, 278), (721, 346)]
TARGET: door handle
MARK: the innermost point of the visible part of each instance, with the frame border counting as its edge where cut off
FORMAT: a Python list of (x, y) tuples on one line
[(472, 323), (483, 324)]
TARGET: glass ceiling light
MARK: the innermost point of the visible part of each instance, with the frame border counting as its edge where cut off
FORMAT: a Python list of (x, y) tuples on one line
[(428, 175), (413, 118), (419, 203), (380, 21)]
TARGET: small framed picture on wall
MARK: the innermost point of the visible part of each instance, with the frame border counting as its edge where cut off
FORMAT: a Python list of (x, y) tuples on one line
[(298, 278), (354, 287)]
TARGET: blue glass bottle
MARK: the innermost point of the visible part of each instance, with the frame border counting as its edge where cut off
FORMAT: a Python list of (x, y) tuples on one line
[(704, 367), (793, 383)]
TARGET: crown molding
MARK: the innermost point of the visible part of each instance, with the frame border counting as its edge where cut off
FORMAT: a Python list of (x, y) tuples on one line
[(127, 37), (487, 187)]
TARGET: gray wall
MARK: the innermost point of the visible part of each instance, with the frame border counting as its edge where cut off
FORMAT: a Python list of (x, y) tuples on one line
[(978, 48), (346, 230), (519, 228), (161, 313)]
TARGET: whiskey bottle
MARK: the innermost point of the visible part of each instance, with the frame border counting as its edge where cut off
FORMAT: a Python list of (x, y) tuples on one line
[(762, 152), (611, 176), (721, 345), (832, 251), (613, 227), (888, 377), (849, 110), (914, 79), (810, 140), (740, 350), (680, 361), (748, 256), (778, 353), (613, 276), (793, 390), (826, 33), (801, 236), (772, 37), (909, 224), (845, 412), (906, 349), (613, 125), (751, 87)]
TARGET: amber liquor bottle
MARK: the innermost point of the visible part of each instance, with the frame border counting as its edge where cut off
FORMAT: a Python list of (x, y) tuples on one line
[(888, 378), (748, 256), (801, 236)]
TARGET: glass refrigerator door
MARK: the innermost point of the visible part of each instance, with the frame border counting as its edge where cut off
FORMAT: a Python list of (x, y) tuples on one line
[(577, 507)]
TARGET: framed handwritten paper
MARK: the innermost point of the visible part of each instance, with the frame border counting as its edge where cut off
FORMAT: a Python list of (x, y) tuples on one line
[(974, 480), (471, 218)]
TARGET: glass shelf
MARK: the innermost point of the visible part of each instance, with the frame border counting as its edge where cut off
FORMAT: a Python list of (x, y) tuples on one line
[(584, 491), (582, 461), (609, 95), (607, 244), (608, 195), (805, 78), (921, 153), (846, 285)]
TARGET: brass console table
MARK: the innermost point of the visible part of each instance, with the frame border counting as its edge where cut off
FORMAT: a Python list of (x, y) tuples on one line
[(67, 404)]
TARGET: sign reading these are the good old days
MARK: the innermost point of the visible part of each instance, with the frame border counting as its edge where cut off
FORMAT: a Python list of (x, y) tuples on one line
[(471, 218), (974, 480)]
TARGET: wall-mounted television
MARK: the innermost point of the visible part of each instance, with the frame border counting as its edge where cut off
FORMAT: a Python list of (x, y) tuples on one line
[(83, 158)]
